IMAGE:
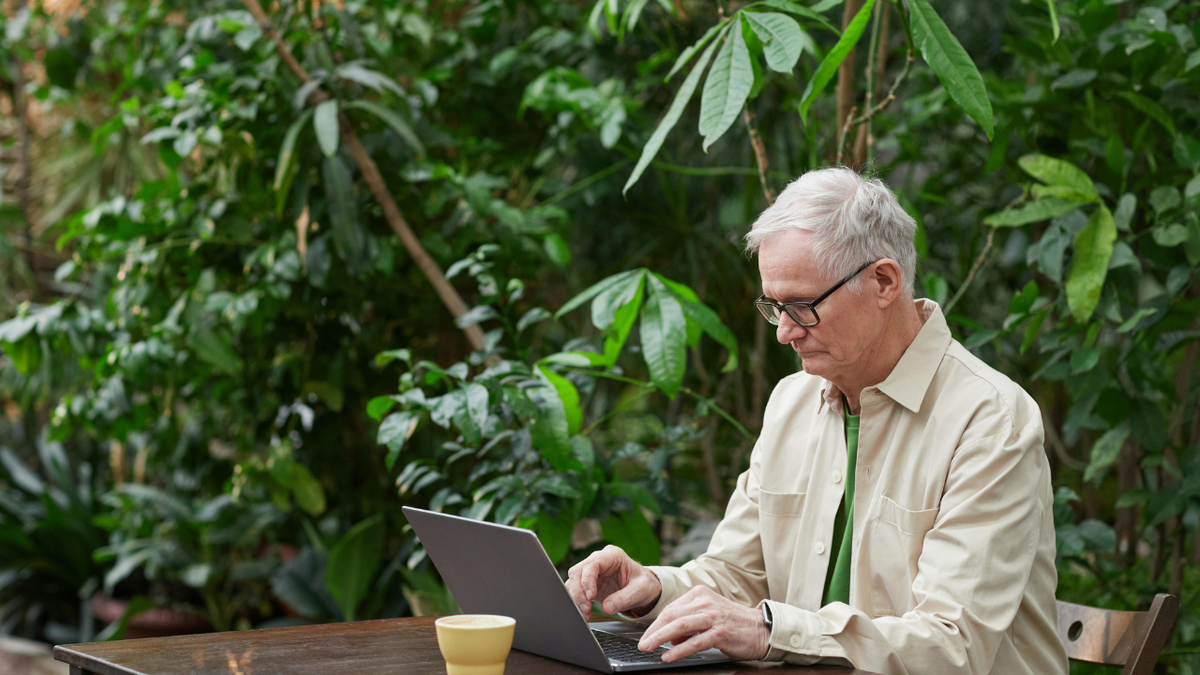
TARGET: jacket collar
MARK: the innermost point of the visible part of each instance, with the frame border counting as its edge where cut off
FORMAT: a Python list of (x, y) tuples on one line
[(910, 378)]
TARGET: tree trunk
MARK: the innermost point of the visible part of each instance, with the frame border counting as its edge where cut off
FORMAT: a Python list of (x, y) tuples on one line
[(845, 86)]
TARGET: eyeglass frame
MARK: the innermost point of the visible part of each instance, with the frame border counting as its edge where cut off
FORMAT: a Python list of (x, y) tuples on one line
[(782, 307)]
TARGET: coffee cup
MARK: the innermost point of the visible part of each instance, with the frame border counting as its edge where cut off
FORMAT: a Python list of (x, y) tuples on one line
[(475, 644)]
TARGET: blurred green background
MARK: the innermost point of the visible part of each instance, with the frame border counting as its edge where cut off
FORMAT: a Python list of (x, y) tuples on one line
[(264, 284)]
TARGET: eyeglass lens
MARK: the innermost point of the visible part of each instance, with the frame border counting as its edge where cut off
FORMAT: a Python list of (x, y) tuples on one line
[(800, 314)]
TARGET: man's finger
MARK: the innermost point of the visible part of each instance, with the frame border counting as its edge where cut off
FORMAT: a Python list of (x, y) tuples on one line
[(695, 644), (632, 595), (673, 629)]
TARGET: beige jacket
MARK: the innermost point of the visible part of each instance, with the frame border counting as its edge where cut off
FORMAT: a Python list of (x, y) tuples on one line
[(953, 553)]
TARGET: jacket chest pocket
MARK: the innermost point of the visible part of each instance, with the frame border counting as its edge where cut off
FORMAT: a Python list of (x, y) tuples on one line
[(897, 539), (779, 518)]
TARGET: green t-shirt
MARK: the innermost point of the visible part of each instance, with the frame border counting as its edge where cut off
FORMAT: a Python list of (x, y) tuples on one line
[(837, 580)]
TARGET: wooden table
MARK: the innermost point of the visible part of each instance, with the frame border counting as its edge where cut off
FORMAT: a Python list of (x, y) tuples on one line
[(407, 646)]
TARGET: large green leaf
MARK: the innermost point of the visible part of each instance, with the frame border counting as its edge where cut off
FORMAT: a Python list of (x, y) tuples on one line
[(687, 54), (1054, 27), (325, 122), (793, 7), (1089, 265), (568, 394), (550, 430), (285, 166), (726, 88), (393, 120), (339, 193), (215, 350), (1105, 451), (781, 36), (1057, 172), (307, 490), (594, 290), (672, 117), (706, 319), (353, 563), (953, 66), (555, 534), (623, 320), (834, 58), (1151, 108), (1043, 209), (631, 531), (606, 304), (664, 336)]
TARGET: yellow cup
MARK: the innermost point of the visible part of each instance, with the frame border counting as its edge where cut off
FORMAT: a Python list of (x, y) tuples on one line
[(475, 644)]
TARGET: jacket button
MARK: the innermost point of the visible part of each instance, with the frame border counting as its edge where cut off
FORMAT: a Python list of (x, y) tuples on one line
[(820, 550), (795, 641)]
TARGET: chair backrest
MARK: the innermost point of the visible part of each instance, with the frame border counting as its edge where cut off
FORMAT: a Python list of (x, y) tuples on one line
[(1130, 639)]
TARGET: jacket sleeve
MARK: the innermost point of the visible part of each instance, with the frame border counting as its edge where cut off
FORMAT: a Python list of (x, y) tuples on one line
[(972, 571)]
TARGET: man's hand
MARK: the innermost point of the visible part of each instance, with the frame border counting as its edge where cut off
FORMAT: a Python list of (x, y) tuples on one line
[(701, 619), (615, 580)]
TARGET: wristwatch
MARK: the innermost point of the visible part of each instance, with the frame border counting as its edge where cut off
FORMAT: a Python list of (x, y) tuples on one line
[(767, 616)]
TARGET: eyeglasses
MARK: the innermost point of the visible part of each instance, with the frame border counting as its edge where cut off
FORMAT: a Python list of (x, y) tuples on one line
[(803, 313)]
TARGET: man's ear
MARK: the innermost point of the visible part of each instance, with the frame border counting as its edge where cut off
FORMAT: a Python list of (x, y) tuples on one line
[(886, 275)]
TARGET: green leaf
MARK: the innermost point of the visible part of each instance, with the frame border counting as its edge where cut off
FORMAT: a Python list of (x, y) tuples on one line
[(339, 191), (379, 406), (781, 36), (1105, 451), (557, 249), (555, 534), (631, 531), (285, 166), (394, 431), (1073, 79), (1192, 246), (1169, 236), (393, 120), (1053, 20), (1031, 330), (1089, 265), (1043, 209), (664, 335), (594, 290), (353, 563), (1151, 108), (1058, 173), (549, 430), (621, 326), (638, 494), (1023, 300), (671, 118), (798, 9), (726, 88), (215, 350), (568, 394), (687, 54), (834, 58), (606, 304), (953, 66), (325, 122), (307, 491)]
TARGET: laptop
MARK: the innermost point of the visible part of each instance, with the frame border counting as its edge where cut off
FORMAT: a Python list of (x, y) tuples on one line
[(497, 569)]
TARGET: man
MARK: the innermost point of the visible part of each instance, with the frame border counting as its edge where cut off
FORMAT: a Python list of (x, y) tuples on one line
[(897, 513)]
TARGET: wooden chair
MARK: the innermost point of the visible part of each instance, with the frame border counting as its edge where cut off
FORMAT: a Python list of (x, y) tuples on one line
[(1130, 639)]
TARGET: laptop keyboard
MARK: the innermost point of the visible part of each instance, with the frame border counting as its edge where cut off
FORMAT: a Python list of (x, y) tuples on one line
[(626, 649)]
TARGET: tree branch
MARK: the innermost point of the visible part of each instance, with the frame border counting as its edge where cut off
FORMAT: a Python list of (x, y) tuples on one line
[(760, 153), (448, 294)]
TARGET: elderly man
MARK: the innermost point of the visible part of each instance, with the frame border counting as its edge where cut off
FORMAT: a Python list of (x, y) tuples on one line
[(897, 512)]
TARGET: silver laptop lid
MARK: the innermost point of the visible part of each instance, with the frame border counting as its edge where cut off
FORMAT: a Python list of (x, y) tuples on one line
[(496, 569)]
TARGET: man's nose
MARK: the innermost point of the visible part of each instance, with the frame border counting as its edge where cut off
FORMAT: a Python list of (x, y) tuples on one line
[(788, 330)]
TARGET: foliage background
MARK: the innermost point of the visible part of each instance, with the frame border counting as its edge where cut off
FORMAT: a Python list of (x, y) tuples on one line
[(207, 307)]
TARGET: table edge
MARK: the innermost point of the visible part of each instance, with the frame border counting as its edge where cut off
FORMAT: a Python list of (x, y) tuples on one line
[(90, 663)]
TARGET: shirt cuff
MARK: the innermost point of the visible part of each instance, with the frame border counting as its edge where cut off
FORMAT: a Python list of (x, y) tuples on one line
[(797, 637)]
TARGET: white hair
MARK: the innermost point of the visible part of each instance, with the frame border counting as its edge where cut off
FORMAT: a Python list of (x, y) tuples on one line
[(853, 221)]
